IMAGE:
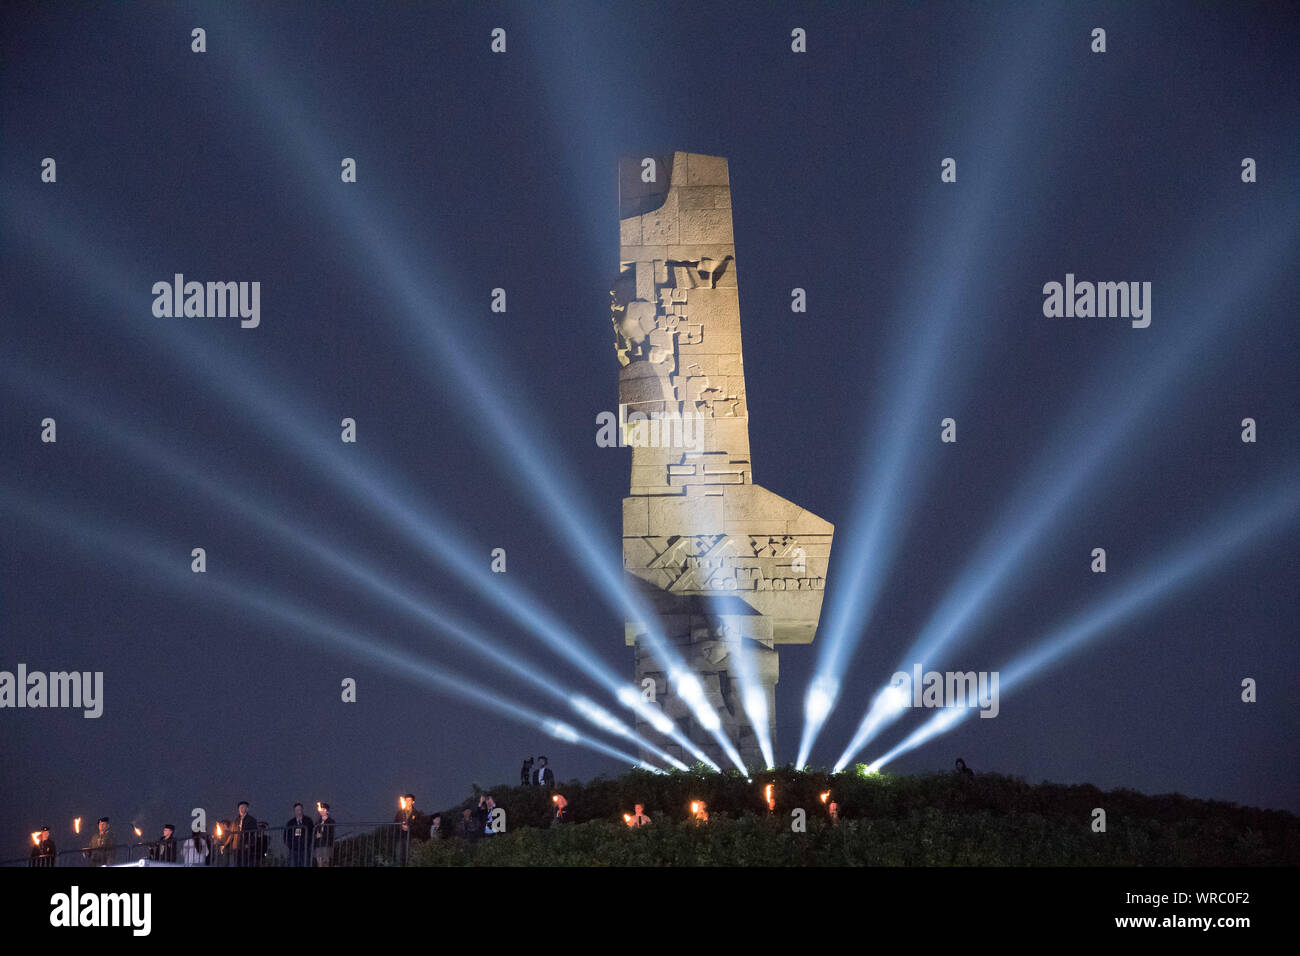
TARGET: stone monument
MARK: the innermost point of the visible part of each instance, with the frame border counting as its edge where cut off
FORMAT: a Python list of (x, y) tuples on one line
[(729, 568)]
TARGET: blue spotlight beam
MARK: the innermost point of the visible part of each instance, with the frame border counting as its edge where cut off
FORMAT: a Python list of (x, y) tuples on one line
[(435, 535), (753, 698), (82, 528), (1067, 471), (869, 540), (524, 460), (330, 554), (1262, 514)]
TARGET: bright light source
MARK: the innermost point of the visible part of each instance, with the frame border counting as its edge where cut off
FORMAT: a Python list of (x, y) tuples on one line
[(628, 697), (817, 705), (688, 686), (821, 698), (561, 731), (893, 699)]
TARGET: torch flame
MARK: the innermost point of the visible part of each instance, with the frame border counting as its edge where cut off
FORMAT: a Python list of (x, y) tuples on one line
[(825, 796), (401, 802), (76, 825), (36, 838), (138, 831), (627, 818), (767, 795), (695, 806), (218, 829)]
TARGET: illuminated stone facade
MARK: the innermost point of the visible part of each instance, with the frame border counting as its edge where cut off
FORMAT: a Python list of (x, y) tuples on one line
[(730, 567)]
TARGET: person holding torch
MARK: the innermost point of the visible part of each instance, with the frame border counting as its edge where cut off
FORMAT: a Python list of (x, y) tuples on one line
[(42, 849)]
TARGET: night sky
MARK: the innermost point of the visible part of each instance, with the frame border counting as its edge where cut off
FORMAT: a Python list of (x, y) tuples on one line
[(478, 171)]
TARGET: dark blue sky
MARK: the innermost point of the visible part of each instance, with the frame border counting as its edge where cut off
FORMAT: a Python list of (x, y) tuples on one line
[(478, 171)]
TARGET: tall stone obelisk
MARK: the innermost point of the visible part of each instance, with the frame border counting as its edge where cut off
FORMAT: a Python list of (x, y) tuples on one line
[(729, 568)]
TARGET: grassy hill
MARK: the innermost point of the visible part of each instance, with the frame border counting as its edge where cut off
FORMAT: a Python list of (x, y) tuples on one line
[(937, 820)]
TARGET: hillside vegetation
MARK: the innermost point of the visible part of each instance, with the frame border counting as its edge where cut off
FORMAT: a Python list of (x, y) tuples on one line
[(936, 820)]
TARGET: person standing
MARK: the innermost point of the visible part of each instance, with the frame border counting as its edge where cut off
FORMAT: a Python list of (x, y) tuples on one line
[(407, 819), (243, 837), (323, 836), (544, 776), (226, 847), (638, 817), (407, 816), (101, 845), (435, 827), (468, 827), (485, 807), (194, 851), (526, 773), (164, 851), (298, 834), (561, 809), (43, 852)]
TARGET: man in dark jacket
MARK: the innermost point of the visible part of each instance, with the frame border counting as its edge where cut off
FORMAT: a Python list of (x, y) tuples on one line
[(544, 776), (43, 851), (298, 837), (411, 825), (323, 836), (410, 818), (243, 837), (164, 851)]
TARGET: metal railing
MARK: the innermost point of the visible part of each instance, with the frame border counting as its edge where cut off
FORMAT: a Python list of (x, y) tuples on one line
[(349, 845)]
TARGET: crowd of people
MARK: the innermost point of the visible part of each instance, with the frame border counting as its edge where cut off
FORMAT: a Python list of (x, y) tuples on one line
[(310, 840), (243, 841)]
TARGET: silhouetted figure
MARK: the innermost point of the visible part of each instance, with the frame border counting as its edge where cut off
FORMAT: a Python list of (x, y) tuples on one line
[(435, 827), (323, 836), (526, 773), (561, 808), (226, 836), (298, 837), (410, 826), (543, 776), (164, 851), (243, 837), (963, 770), (43, 852), (467, 828)]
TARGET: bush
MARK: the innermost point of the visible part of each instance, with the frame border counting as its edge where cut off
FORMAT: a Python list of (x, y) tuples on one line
[(936, 820)]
